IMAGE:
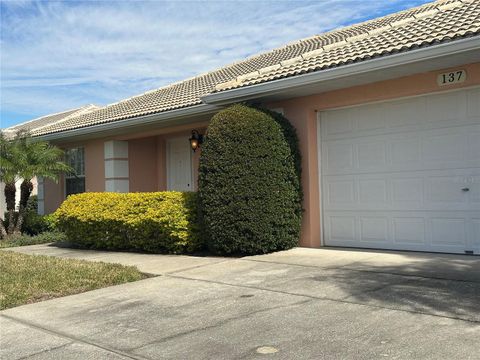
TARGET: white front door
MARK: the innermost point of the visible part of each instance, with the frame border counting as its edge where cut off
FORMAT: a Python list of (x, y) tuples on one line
[(179, 165), (403, 174)]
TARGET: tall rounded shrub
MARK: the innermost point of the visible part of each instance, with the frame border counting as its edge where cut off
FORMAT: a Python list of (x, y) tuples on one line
[(249, 187)]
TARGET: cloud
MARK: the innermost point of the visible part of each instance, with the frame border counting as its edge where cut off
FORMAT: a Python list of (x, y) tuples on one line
[(58, 55)]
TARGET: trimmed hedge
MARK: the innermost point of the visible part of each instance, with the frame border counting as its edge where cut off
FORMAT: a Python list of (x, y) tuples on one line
[(161, 222), (249, 183)]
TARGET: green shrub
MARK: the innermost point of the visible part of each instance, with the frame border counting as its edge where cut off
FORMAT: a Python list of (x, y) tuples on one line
[(250, 192), (24, 240), (33, 224), (152, 222)]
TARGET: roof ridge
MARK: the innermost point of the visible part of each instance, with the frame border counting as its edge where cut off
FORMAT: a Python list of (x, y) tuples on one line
[(81, 111), (343, 28), (12, 128), (351, 39), (258, 55)]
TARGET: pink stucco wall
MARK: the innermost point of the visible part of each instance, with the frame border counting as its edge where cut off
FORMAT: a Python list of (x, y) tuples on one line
[(54, 192), (142, 164)]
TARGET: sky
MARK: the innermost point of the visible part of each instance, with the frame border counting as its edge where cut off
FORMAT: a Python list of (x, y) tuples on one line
[(58, 55)]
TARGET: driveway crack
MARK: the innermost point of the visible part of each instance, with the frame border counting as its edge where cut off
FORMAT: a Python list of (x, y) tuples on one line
[(72, 338), (220, 323)]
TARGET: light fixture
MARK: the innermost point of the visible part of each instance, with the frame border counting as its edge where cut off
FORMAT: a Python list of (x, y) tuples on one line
[(196, 140)]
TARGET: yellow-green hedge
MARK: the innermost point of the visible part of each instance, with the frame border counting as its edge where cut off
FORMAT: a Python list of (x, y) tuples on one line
[(152, 222)]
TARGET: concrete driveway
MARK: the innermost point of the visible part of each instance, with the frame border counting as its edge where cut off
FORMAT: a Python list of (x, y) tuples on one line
[(297, 304)]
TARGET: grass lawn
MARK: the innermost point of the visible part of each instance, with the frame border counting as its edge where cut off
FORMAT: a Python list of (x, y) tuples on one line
[(26, 279)]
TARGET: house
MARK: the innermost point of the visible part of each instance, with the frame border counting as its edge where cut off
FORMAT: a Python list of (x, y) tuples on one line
[(36, 124), (388, 116)]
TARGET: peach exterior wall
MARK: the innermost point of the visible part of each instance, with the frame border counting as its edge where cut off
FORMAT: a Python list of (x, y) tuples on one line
[(302, 112), (54, 193), (142, 164)]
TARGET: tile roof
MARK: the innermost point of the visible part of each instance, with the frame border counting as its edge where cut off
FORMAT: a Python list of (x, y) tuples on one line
[(47, 120), (427, 25)]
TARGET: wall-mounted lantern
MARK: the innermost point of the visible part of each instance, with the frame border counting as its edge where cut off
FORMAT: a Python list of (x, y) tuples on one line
[(196, 140)]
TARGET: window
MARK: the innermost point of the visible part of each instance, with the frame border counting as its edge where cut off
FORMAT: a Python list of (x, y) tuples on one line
[(75, 183)]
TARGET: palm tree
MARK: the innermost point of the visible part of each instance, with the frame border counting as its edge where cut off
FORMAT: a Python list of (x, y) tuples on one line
[(8, 175), (35, 159)]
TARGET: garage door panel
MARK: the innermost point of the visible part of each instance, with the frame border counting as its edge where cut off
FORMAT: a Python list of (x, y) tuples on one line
[(475, 233), (339, 157), (446, 148), (371, 155), (373, 192), (405, 113), (373, 229), (407, 230), (473, 105), (399, 182), (405, 152), (449, 106), (341, 192), (417, 190), (448, 231), (370, 117), (407, 192), (445, 190), (473, 144), (341, 228), (445, 145)]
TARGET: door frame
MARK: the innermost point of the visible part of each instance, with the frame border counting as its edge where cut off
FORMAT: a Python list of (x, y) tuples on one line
[(168, 142)]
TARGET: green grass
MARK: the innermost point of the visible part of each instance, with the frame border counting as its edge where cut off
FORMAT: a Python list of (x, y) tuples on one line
[(24, 240), (27, 279)]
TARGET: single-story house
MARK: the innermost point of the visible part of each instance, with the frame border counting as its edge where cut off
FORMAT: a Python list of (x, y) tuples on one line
[(387, 112)]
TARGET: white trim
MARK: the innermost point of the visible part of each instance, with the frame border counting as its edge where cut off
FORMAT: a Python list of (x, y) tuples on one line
[(381, 63), (319, 172), (116, 166)]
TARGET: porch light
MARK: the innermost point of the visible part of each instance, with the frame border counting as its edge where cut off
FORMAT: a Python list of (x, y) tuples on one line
[(196, 140)]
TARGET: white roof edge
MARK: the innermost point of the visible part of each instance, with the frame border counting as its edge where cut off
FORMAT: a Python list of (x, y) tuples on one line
[(403, 58)]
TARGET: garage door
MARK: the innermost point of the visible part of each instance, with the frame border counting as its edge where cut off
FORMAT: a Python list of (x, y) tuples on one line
[(403, 174)]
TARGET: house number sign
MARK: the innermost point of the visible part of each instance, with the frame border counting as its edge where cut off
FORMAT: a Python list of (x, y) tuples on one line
[(451, 77)]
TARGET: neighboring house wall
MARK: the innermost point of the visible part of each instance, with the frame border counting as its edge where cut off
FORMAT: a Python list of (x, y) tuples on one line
[(54, 192), (3, 204), (147, 154)]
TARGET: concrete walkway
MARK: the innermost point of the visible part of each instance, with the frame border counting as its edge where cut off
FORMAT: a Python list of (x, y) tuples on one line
[(146, 263), (297, 304)]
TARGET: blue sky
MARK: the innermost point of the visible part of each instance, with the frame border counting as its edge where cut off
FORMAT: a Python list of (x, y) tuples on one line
[(59, 55)]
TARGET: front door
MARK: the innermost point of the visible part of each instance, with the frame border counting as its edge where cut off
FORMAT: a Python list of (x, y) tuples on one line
[(179, 165)]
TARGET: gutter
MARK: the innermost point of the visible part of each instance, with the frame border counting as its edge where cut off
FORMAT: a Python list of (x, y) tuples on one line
[(382, 63), (134, 121)]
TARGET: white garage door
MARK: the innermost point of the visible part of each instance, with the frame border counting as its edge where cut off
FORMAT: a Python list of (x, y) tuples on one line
[(403, 174)]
